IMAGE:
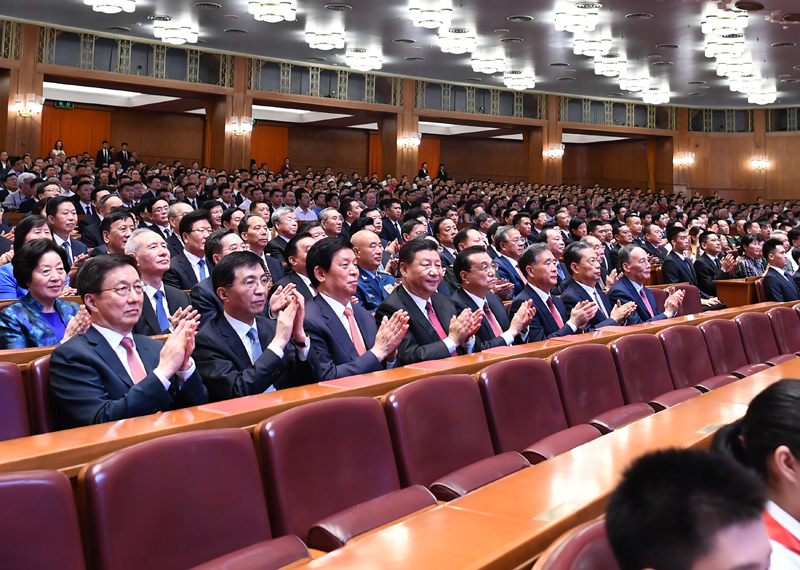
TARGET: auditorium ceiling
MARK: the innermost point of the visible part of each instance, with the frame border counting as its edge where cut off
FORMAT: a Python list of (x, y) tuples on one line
[(663, 43)]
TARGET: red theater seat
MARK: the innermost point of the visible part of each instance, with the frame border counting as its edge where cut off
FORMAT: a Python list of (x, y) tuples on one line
[(688, 359), (725, 348), (786, 327), (759, 340), (583, 548), (13, 407)]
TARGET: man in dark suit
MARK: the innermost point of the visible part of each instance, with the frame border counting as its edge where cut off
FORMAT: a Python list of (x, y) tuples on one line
[(509, 244), (255, 233), (191, 266), (436, 330), (62, 219), (630, 287), (124, 156), (679, 269), (110, 374), (174, 216), (555, 241), (91, 236), (652, 243), (284, 220), (622, 236), (392, 224), (710, 266), (344, 335), (581, 260), (241, 353), (104, 157), (551, 318), (163, 305), (296, 252), (778, 284), (444, 230), (477, 275)]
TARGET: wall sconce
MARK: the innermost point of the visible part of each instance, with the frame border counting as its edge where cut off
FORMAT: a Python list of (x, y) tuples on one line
[(411, 140), (683, 159), (28, 105), (241, 125), (759, 162), (555, 151)]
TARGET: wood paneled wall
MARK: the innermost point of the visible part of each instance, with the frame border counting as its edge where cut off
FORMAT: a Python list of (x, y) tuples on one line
[(617, 163), (344, 150), (159, 136), (466, 158), (722, 162)]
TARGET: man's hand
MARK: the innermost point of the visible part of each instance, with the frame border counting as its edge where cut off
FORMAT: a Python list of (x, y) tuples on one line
[(281, 298), (189, 334), (728, 263), (522, 318), (79, 324), (582, 313), (503, 288), (187, 314), (621, 312), (711, 301), (390, 333), (297, 331), (392, 247), (612, 278), (173, 354), (673, 302), (391, 266), (285, 324), (7, 256), (461, 327)]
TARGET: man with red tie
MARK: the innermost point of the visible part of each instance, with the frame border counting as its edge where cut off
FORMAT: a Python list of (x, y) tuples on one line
[(344, 334), (477, 275), (435, 329)]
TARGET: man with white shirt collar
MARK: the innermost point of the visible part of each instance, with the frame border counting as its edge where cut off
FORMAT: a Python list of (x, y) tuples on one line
[(778, 284), (191, 266), (83, 197), (374, 285), (284, 221), (711, 266), (164, 306), (109, 373), (158, 209), (444, 230), (241, 353), (677, 268), (296, 252), (477, 275), (436, 329), (345, 335), (65, 181), (254, 232), (510, 244), (175, 214), (62, 219)]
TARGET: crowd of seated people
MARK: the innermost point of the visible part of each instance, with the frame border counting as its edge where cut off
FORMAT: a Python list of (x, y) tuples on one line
[(266, 280)]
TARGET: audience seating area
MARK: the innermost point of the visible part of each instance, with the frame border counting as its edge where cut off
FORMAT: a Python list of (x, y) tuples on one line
[(345, 469)]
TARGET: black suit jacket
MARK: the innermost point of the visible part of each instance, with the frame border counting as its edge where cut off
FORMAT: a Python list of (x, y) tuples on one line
[(624, 291), (77, 248), (421, 342), (90, 385), (90, 235), (124, 162), (26, 206), (707, 272), (293, 277), (99, 250), (485, 337), (613, 256), (227, 371), (543, 325), (659, 252), (447, 258), (778, 288), (389, 232), (276, 247), (148, 322), (103, 158), (336, 352), (180, 273), (574, 294), (174, 245), (676, 270)]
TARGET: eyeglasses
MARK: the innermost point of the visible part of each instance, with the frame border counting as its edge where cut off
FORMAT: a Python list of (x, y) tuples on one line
[(206, 231), (238, 247), (484, 268), (125, 290), (251, 283)]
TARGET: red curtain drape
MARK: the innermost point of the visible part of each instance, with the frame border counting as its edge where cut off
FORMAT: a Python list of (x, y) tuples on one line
[(429, 150), (269, 144), (81, 130), (375, 155)]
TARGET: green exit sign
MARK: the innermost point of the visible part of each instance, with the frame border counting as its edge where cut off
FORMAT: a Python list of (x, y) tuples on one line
[(64, 104), (255, 122)]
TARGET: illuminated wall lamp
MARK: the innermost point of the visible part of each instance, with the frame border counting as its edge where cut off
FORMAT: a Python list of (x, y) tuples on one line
[(683, 159), (759, 162), (411, 140), (241, 125), (555, 151), (25, 106)]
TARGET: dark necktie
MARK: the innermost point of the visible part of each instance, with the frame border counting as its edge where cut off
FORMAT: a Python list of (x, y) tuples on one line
[(161, 314), (692, 279), (716, 262)]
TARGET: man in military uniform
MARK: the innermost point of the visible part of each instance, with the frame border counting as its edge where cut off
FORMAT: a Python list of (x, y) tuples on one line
[(374, 285)]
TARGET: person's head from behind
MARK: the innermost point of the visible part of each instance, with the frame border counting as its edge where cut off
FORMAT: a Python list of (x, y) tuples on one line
[(688, 510), (241, 282), (111, 289)]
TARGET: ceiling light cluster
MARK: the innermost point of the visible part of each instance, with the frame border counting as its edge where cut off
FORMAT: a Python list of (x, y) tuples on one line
[(609, 66), (655, 96), (273, 11), (576, 17), (488, 65), (325, 40), (766, 97), (175, 34), (362, 60), (634, 83), (519, 80), (457, 40), (111, 6), (591, 47), (431, 14)]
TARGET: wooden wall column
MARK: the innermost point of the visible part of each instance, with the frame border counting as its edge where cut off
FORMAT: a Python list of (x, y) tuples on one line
[(533, 139), (680, 144), (230, 151), (760, 148), (552, 167), (396, 159), (23, 134)]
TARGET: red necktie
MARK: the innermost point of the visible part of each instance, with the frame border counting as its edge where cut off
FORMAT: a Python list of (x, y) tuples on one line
[(357, 340), (437, 326), (521, 274), (554, 312), (495, 326), (646, 302), (137, 372)]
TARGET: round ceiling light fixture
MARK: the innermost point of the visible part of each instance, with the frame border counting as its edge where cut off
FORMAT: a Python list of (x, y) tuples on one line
[(175, 34), (518, 80), (457, 40), (362, 60), (273, 11), (591, 47), (488, 65), (609, 66), (111, 6), (325, 41), (722, 23), (655, 96), (430, 14), (578, 18)]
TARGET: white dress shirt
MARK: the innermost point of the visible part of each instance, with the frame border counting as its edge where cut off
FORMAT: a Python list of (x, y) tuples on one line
[(242, 329), (194, 260), (544, 298), (594, 295), (782, 558), (151, 295)]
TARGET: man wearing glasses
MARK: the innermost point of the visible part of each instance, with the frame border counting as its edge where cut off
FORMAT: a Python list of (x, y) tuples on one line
[(110, 374), (190, 267), (240, 352)]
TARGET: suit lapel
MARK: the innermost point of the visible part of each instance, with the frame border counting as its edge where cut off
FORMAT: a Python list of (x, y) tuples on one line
[(417, 316), (149, 358), (108, 354), (150, 315), (542, 309), (232, 340), (486, 329), (337, 328), (498, 310)]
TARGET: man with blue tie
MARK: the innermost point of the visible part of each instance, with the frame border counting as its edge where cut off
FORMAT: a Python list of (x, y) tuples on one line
[(509, 244), (344, 335), (584, 266), (551, 318), (778, 285), (635, 266), (241, 353), (190, 267), (374, 285), (677, 268)]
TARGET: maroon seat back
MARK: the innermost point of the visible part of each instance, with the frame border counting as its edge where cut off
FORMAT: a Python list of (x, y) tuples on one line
[(761, 294), (583, 548), (437, 426), (522, 404), (175, 502), (691, 300), (786, 327), (660, 296), (757, 337), (13, 407), (322, 458), (43, 414), (38, 523), (687, 356), (587, 381), (641, 367), (724, 344)]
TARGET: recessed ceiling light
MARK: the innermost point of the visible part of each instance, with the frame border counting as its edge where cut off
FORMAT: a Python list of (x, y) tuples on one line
[(316, 59), (639, 16), (697, 94), (667, 46), (338, 7), (566, 79), (511, 40), (207, 5), (796, 67), (235, 31), (501, 31), (749, 6), (118, 29), (559, 64), (662, 63), (520, 18), (784, 44), (704, 87), (588, 5), (231, 16), (156, 18), (404, 41), (654, 56), (784, 75), (791, 17), (611, 56), (790, 80), (414, 58), (697, 83)]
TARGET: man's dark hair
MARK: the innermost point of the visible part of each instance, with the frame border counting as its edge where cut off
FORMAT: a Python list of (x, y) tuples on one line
[(53, 203), (517, 219), (769, 246), (575, 223), (225, 271), (462, 262), (672, 233), (593, 225), (214, 242), (209, 205), (670, 505), (460, 237), (321, 255), (360, 224), (92, 272), (574, 253), (26, 259), (531, 256), (409, 226), (228, 214), (189, 219), (413, 214), (150, 203), (40, 188), (292, 245), (413, 246)]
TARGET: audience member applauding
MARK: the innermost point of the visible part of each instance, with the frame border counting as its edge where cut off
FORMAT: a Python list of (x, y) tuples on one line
[(749, 264), (436, 330), (28, 229), (678, 268), (709, 267), (40, 318), (296, 252), (778, 284), (635, 266), (477, 273), (343, 334), (510, 244), (255, 233), (110, 374), (192, 266), (241, 353), (374, 285)]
